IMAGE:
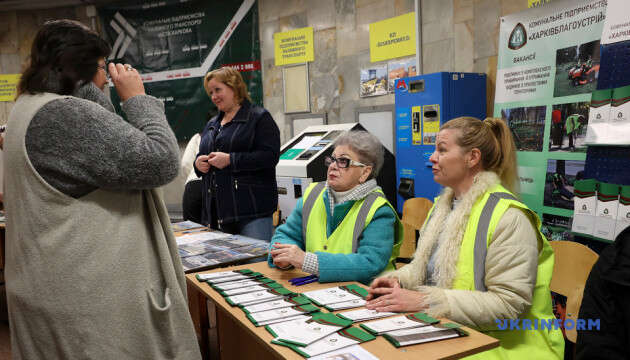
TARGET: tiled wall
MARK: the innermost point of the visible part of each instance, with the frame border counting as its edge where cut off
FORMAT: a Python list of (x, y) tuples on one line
[(458, 35)]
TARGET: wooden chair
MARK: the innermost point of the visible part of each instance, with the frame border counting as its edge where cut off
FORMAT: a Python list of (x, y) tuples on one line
[(573, 263), (415, 211)]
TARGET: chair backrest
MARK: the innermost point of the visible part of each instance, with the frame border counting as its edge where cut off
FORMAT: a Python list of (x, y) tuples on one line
[(415, 211), (572, 265)]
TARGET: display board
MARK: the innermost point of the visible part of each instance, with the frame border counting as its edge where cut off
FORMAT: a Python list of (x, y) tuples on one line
[(549, 60), (174, 43)]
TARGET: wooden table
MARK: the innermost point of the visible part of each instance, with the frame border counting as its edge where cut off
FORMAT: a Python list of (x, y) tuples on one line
[(238, 338)]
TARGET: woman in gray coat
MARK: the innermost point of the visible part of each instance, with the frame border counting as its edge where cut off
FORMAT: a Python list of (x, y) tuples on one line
[(92, 269)]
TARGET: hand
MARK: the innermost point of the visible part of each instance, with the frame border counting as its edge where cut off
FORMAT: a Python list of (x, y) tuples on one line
[(219, 159), (126, 80), (381, 282), (396, 299), (201, 162), (284, 255)]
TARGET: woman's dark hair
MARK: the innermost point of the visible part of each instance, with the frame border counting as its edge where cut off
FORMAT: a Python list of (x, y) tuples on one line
[(64, 55)]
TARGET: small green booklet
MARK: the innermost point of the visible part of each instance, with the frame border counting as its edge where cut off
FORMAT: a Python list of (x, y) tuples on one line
[(337, 294), (224, 274), (265, 317), (258, 296), (340, 339), (424, 334), (398, 323), (276, 304), (252, 288), (305, 332)]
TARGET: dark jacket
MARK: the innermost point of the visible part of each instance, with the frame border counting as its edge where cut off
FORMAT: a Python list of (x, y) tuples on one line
[(245, 189), (607, 298)]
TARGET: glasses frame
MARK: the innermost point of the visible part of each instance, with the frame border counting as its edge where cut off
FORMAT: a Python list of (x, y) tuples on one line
[(351, 162)]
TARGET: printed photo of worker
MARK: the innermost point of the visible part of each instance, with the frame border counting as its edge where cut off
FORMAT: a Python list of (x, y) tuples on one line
[(527, 125), (556, 227), (568, 127), (561, 175), (577, 69)]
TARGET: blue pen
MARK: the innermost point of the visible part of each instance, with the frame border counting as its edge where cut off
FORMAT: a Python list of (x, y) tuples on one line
[(300, 279), (306, 281)]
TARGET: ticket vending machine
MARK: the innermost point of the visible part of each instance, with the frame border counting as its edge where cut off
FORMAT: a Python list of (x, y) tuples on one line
[(423, 103), (302, 162)]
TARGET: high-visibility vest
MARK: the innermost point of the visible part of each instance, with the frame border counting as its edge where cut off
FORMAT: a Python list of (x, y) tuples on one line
[(345, 238), (514, 344)]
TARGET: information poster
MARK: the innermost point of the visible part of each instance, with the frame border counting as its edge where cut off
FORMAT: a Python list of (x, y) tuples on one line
[(547, 68), (8, 86), (393, 38), (174, 43), (294, 47)]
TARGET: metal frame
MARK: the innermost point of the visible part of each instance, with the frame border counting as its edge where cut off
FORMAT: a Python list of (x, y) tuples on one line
[(306, 116), (418, 5), (379, 108), (308, 90)]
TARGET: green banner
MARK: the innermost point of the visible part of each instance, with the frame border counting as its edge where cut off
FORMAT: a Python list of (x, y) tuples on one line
[(547, 69), (174, 43)]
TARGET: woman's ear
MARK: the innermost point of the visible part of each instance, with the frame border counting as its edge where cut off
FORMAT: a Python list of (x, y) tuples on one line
[(474, 158), (366, 171)]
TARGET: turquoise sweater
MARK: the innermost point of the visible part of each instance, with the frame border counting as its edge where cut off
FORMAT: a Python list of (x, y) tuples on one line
[(375, 243)]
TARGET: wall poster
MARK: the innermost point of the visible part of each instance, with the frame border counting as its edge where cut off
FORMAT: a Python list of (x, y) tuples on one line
[(548, 67), (174, 43)]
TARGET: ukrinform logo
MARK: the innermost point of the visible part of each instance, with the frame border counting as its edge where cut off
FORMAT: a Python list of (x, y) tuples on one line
[(518, 37), (547, 324)]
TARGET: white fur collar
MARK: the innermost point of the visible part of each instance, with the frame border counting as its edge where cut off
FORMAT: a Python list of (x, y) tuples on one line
[(447, 227)]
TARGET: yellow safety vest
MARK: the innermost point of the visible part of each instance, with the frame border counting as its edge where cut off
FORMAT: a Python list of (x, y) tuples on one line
[(345, 238), (515, 344)]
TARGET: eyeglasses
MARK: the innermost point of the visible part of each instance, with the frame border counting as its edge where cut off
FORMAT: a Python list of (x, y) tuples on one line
[(343, 163), (104, 68)]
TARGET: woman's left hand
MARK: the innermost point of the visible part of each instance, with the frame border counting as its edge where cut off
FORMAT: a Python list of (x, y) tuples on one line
[(285, 253), (219, 159), (396, 299)]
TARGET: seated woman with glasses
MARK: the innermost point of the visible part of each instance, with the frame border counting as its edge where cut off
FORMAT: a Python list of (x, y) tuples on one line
[(343, 229)]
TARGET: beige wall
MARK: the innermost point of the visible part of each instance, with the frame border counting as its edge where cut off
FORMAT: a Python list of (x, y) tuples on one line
[(458, 35)]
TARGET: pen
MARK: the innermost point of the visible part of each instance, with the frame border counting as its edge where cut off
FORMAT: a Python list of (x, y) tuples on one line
[(300, 279), (306, 281)]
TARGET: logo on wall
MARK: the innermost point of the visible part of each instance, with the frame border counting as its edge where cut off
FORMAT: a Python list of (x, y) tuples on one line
[(126, 33), (518, 37), (401, 85)]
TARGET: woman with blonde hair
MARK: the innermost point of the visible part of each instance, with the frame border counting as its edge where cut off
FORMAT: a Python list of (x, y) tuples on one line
[(481, 259), (237, 159)]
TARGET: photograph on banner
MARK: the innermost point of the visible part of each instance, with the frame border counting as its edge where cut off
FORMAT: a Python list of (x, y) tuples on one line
[(556, 227), (527, 125), (373, 81), (400, 68), (561, 175), (568, 127), (577, 69)]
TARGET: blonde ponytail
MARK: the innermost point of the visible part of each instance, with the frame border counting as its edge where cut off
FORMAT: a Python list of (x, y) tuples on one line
[(494, 140)]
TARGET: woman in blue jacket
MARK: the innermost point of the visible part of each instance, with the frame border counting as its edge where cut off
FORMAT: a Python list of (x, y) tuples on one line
[(343, 229), (237, 160)]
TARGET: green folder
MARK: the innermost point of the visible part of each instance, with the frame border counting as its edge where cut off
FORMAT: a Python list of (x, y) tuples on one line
[(448, 329), (353, 333), (269, 285), (305, 309), (297, 300)]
